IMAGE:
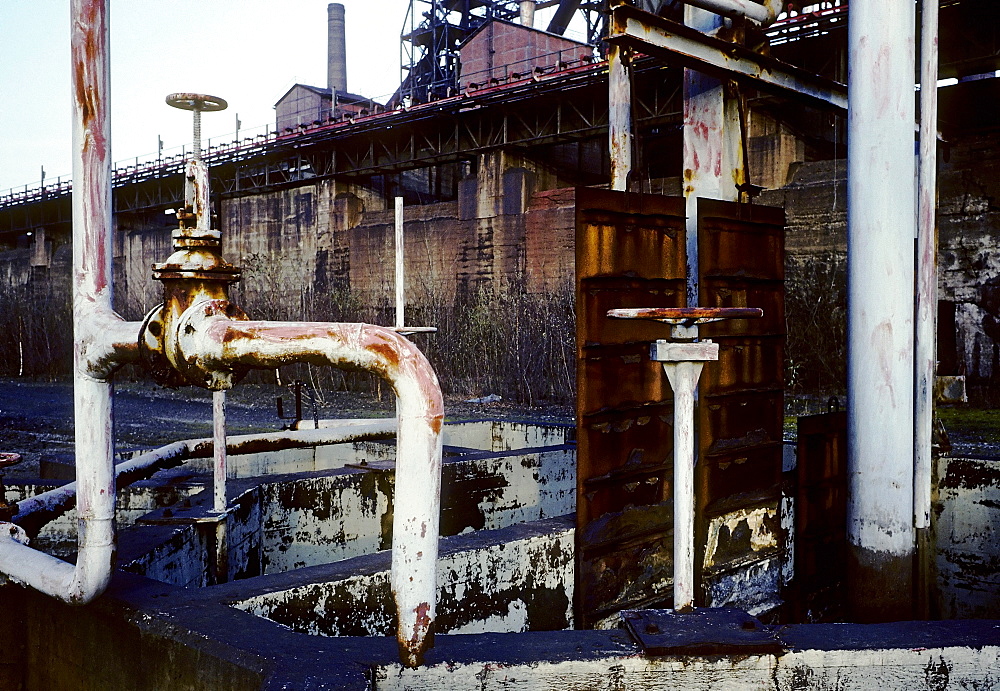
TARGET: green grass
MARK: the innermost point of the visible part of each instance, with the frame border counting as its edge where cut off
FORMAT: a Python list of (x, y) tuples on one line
[(971, 425)]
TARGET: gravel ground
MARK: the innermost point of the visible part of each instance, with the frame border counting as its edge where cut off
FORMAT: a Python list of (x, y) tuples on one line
[(36, 418)]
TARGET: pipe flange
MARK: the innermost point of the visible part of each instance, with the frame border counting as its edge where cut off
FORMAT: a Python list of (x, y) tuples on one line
[(151, 351), (190, 345)]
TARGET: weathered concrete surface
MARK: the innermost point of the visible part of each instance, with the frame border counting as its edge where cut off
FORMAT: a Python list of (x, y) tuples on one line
[(908, 655), (290, 521), (966, 515), (509, 580), (144, 634)]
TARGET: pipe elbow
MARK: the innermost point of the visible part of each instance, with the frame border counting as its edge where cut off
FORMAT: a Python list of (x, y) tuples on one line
[(105, 342), (774, 8)]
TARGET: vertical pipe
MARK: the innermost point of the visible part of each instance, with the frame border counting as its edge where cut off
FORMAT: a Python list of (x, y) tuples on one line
[(219, 450), (712, 145), (220, 567), (880, 233), (927, 266), (91, 290), (619, 116), (683, 377), (196, 134), (336, 69), (400, 267)]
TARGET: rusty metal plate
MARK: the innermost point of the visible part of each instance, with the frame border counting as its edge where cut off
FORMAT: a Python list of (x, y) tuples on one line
[(821, 516), (630, 252), (740, 413), (740, 241), (701, 632)]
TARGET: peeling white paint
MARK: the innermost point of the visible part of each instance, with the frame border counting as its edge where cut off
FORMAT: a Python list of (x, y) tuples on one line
[(482, 589), (922, 668), (761, 536)]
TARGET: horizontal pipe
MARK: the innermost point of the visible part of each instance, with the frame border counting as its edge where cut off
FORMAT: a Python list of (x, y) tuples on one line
[(57, 501), (764, 14)]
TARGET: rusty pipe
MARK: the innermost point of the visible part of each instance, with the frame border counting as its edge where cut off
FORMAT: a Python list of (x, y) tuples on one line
[(218, 343), (764, 14), (102, 340), (620, 115)]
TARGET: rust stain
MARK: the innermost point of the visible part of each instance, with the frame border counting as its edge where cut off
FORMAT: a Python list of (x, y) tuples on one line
[(435, 424), (387, 352), (423, 623)]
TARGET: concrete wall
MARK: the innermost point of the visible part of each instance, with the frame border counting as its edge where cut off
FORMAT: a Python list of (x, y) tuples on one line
[(815, 201), (966, 518), (837, 663), (507, 580), (317, 516)]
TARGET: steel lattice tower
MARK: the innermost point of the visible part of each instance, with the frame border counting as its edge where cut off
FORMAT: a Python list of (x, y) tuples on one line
[(434, 29)]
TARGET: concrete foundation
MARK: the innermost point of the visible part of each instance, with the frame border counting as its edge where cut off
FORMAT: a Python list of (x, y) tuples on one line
[(308, 602)]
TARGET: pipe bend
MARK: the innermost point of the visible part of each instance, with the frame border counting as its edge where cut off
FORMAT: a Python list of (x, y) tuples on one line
[(104, 341), (217, 342), (225, 343)]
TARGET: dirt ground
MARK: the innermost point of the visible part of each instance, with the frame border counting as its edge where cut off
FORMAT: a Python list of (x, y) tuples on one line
[(36, 418)]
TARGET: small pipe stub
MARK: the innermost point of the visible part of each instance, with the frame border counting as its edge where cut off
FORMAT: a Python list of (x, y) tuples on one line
[(202, 102), (7, 511)]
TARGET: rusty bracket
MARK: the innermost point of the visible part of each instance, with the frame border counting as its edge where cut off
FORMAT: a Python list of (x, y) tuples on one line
[(669, 351), (708, 631), (690, 48)]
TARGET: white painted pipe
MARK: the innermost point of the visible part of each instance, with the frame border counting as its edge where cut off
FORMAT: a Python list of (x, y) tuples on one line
[(59, 500), (926, 335), (527, 13), (101, 339), (400, 267), (880, 234), (763, 14), (683, 377), (619, 115), (219, 343), (220, 474)]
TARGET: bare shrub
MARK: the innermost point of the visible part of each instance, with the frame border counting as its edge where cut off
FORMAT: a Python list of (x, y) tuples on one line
[(37, 342), (816, 321)]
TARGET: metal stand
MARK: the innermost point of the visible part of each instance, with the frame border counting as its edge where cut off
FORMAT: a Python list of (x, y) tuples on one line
[(683, 359)]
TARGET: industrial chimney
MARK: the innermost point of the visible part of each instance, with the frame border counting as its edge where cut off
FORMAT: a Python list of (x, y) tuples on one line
[(336, 69)]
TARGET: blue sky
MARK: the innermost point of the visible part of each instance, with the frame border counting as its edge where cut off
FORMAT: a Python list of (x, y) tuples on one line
[(246, 51)]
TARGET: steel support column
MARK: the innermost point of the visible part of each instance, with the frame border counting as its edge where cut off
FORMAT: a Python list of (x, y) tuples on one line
[(926, 350), (713, 161), (880, 234), (620, 115)]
